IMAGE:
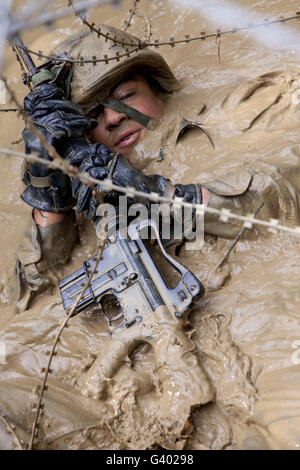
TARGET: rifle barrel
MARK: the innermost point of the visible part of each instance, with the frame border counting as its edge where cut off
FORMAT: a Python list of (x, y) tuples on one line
[(18, 44)]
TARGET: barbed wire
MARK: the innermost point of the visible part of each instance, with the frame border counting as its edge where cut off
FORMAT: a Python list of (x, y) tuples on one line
[(132, 12), (224, 214), (49, 18), (172, 42), (106, 35), (70, 60), (137, 46), (71, 313), (10, 429), (203, 35), (59, 163), (73, 172)]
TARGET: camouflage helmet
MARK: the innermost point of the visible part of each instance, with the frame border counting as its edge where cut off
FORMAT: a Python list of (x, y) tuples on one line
[(125, 54)]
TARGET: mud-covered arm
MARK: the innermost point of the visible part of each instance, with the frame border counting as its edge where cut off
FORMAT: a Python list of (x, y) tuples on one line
[(242, 191)]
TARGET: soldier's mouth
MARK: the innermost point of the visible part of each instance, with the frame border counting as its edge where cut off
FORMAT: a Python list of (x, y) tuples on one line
[(127, 139)]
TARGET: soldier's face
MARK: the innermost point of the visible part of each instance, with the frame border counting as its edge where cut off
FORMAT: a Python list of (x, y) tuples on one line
[(116, 130)]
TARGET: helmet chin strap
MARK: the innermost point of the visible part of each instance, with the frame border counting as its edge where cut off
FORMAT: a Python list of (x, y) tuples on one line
[(132, 113)]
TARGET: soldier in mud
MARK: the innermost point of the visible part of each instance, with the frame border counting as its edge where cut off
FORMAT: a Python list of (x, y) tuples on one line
[(128, 106), (118, 105)]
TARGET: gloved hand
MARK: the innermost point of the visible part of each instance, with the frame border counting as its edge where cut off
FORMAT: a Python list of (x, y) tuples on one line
[(98, 165), (56, 117), (125, 174), (64, 126), (95, 162)]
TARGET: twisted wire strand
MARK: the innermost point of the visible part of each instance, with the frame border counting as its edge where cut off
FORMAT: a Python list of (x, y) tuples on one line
[(10, 429), (172, 42), (98, 31), (156, 43), (224, 214), (132, 12), (48, 370), (49, 18)]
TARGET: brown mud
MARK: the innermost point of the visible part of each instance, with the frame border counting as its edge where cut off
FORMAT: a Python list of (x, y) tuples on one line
[(237, 386)]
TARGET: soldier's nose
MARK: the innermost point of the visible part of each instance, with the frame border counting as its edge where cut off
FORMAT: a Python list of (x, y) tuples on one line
[(113, 118)]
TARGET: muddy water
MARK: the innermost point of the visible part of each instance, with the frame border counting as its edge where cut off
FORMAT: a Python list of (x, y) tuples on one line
[(245, 332)]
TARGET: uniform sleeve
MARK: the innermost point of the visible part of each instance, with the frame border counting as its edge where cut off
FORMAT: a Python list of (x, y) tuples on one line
[(243, 190)]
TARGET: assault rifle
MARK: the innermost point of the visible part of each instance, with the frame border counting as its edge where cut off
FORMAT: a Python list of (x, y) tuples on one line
[(128, 272)]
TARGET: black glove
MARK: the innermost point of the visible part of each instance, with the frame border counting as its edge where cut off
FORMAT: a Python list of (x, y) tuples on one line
[(96, 161), (125, 174), (98, 165), (64, 126), (58, 119)]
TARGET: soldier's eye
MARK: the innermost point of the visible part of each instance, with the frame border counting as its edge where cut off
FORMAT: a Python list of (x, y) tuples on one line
[(128, 95), (96, 112)]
